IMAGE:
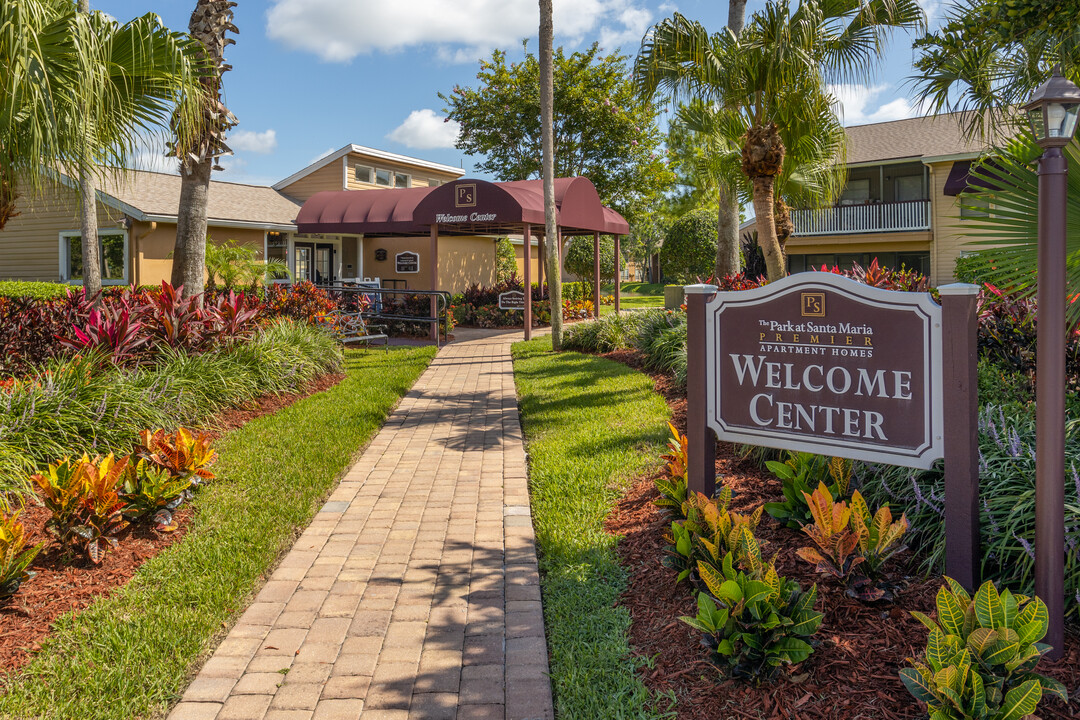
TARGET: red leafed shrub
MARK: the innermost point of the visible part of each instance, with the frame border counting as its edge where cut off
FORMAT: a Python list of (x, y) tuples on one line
[(302, 301), (130, 326)]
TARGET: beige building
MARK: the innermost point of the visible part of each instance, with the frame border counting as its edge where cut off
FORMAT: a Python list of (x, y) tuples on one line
[(900, 204), (137, 221)]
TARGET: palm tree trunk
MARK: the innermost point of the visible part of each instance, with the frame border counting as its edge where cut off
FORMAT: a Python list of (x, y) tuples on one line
[(88, 225), (736, 16), (8, 197), (547, 131), (189, 257), (728, 260), (88, 228), (764, 191)]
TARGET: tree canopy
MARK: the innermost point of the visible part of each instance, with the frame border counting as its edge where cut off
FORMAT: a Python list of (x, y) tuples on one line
[(602, 131), (689, 247), (579, 258), (989, 56)]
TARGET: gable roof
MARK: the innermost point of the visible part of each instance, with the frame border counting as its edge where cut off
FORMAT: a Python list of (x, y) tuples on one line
[(922, 137), (369, 152), (155, 197)]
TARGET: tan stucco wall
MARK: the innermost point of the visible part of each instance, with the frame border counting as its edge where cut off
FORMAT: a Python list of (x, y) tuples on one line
[(151, 247), (519, 256), (30, 243), (462, 261)]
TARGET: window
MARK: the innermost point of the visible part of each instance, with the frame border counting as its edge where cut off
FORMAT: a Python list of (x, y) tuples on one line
[(384, 178), (402, 180), (432, 182), (277, 248), (856, 192), (909, 187), (363, 174), (112, 246), (974, 206)]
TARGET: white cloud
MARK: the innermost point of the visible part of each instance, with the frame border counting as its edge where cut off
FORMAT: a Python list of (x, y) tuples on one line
[(632, 24), (150, 155), (424, 130), (257, 142), (860, 105), (461, 31)]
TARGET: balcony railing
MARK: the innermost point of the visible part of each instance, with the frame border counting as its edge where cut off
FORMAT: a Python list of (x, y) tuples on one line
[(870, 217)]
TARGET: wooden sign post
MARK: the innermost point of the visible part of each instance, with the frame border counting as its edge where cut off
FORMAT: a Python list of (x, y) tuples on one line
[(819, 363)]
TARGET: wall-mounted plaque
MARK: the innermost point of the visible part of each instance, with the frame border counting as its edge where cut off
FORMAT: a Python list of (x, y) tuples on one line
[(380, 254), (407, 262)]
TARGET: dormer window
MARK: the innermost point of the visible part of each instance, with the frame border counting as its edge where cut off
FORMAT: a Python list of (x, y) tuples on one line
[(364, 174)]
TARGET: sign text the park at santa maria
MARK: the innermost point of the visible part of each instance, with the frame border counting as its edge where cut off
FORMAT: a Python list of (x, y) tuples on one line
[(820, 363)]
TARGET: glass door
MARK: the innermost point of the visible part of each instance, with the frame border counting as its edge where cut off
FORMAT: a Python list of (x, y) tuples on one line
[(324, 264), (303, 262)]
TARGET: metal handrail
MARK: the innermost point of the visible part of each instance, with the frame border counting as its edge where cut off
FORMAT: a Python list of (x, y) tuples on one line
[(441, 297)]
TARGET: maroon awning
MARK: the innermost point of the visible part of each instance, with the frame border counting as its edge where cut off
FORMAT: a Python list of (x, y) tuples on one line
[(463, 206), (961, 180)]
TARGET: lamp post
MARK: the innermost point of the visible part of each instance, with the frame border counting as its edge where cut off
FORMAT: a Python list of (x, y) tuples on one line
[(1052, 113)]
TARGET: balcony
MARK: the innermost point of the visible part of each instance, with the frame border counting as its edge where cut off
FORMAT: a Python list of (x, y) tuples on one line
[(863, 218)]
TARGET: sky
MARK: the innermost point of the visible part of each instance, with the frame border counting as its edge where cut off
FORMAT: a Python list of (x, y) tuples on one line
[(310, 76)]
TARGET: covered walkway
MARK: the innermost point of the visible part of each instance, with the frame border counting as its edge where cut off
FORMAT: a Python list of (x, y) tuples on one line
[(471, 207), (415, 593)]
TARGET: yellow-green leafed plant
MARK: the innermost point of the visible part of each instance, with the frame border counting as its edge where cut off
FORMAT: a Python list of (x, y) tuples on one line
[(85, 505), (716, 530), (15, 557), (847, 538), (753, 620), (677, 457), (150, 490), (981, 655), (183, 453)]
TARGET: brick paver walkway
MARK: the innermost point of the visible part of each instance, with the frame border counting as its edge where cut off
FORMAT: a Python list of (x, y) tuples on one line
[(414, 594)]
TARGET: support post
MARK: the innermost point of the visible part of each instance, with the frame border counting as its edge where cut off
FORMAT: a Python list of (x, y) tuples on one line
[(596, 275), (618, 274), (961, 418), (528, 281), (1050, 398), (541, 258), (701, 441), (434, 251)]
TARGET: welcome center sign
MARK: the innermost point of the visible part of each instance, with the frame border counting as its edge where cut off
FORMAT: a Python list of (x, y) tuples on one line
[(820, 363)]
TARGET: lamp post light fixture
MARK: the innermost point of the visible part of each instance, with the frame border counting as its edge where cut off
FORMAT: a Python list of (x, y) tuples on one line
[(1052, 113)]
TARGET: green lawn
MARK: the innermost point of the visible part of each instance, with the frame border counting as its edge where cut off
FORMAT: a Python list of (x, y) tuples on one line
[(631, 303), (637, 288), (130, 655), (591, 426)]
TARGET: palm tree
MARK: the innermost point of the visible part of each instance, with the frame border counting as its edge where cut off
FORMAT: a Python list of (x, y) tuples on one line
[(769, 83), (39, 69), (79, 88), (201, 142), (986, 72), (133, 75), (547, 132)]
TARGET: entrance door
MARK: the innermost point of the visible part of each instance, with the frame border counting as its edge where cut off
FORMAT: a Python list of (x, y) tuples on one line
[(303, 262), (324, 264)]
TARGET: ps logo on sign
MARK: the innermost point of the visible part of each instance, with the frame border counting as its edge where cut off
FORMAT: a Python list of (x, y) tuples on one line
[(813, 304), (465, 195)]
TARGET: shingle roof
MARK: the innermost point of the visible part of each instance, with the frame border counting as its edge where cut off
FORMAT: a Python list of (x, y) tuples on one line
[(931, 136), (158, 195)]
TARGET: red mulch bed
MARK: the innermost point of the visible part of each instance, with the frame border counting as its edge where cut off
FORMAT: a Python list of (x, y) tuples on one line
[(59, 587), (853, 673)]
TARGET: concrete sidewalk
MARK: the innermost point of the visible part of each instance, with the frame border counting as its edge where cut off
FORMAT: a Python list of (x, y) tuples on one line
[(414, 594)]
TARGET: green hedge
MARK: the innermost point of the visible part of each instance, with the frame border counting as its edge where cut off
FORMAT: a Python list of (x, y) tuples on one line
[(37, 290)]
